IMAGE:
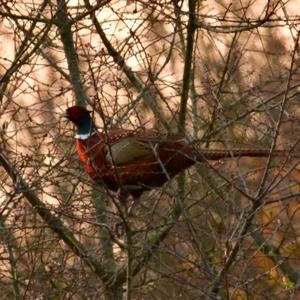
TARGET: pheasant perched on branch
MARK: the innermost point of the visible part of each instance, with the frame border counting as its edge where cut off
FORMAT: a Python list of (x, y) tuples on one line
[(138, 160)]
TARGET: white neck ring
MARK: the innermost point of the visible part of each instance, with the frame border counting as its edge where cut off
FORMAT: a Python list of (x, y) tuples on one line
[(84, 136)]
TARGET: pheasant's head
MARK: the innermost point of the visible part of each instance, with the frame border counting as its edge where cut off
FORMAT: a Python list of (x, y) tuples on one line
[(82, 119), (78, 115)]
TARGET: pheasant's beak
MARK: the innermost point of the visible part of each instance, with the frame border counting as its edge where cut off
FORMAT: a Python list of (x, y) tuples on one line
[(65, 115)]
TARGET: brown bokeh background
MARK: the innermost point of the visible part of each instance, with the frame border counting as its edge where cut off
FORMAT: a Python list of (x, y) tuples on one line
[(233, 232)]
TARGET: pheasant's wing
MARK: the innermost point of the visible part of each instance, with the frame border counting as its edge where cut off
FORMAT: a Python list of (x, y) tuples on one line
[(127, 150), (132, 147)]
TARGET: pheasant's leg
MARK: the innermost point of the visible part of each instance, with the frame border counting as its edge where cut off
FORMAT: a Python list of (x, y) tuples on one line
[(131, 207), (123, 195), (136, 192)]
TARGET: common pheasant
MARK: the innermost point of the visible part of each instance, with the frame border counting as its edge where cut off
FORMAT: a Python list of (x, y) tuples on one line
[(138, 160)]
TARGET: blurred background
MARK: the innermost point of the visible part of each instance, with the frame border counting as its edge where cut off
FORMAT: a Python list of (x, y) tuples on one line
[(224, 73)]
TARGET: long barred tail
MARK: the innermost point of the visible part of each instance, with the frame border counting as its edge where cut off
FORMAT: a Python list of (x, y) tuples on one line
[(211, 154)]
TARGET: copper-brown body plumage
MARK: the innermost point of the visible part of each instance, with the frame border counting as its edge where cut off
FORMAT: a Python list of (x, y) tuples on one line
[(139, 160)]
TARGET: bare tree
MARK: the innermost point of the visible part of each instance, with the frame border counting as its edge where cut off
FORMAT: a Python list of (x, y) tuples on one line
[(225, 74)]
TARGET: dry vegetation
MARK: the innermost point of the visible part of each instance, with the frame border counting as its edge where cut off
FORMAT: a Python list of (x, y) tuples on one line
[(224, 72)]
